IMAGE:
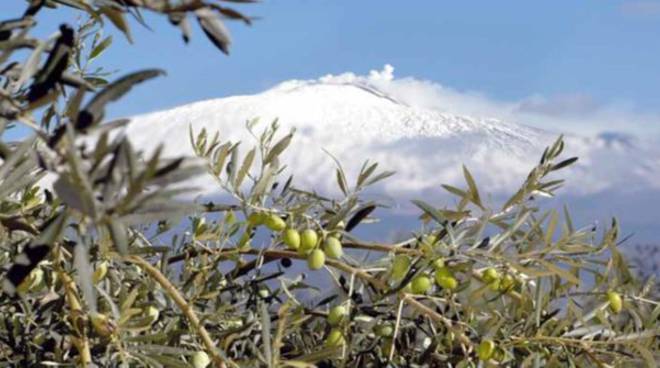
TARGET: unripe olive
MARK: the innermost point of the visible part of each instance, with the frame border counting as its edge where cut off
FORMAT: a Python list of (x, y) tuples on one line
[(384, 330), (494, 285), (449, 283), (443, 272), (400, 266), (316, 259), (336, 315), (275, 222), (485, 349), (439, 263), (256, 219), (507, 282), (429, 239), (102, 324), (335, 338), (332, 247), (100, 272), (39, 339), (152, 313), (308, 240), (200, 360), (291, 238), (490, 275), (616, 303), (420, 284), (263, 292), (337, 231)]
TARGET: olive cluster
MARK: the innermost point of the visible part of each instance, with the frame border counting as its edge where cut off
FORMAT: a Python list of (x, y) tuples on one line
[(338, 317), (422, 283), (306, 242), (499, 283)]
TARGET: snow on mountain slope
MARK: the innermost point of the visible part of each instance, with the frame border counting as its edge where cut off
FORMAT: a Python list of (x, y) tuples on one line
[(353, 119)]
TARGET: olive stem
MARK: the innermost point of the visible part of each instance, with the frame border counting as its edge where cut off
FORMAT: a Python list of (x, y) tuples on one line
[(270, 254), (182, 304)]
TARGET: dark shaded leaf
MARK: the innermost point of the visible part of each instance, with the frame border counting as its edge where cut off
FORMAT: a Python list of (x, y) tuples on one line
[(95, 109), (564, 164), (56, 64), (359, 216)]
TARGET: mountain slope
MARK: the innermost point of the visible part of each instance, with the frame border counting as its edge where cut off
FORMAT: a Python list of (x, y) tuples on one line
[(353, 122), (353, 119)]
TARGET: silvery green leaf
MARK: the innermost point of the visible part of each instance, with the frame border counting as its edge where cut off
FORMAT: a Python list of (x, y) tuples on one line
[(245, 168), (214, 29), (119, 235), (278, 148)]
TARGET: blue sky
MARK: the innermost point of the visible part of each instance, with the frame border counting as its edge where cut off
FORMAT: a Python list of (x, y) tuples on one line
[(579, 56)]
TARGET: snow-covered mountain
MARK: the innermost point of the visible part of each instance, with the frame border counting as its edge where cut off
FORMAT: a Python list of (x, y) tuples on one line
[(358, 117)]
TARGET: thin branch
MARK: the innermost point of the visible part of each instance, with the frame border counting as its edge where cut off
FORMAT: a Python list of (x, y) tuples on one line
[(182, 304)]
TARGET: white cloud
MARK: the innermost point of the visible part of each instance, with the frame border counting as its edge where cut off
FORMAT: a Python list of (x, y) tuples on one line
[(571, 112)]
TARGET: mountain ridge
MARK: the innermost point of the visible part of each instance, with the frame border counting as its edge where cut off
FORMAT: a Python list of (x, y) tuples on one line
[(354, 119)]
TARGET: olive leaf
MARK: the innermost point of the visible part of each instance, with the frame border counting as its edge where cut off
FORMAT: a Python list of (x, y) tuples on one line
[(214, 29), (93, 112)]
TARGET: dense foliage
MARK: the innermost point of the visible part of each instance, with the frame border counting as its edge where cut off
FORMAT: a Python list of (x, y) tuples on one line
[(100, 269)]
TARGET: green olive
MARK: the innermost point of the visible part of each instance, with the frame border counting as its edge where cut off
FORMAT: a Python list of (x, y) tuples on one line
[(316, 259), (308, 240), (490, 275), (200, 360), (100, 272), (335, 338), (384, 330), (449, 283), (420, 284), (439, 263), (102, 324), (507, 282), (485, 349), (275, 222), (443, 272), (336, 315), (332, 247), (291, 238), (152, 313), (263, 292), (400, 266), (615, 301), (256, 219), (429, 239)]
